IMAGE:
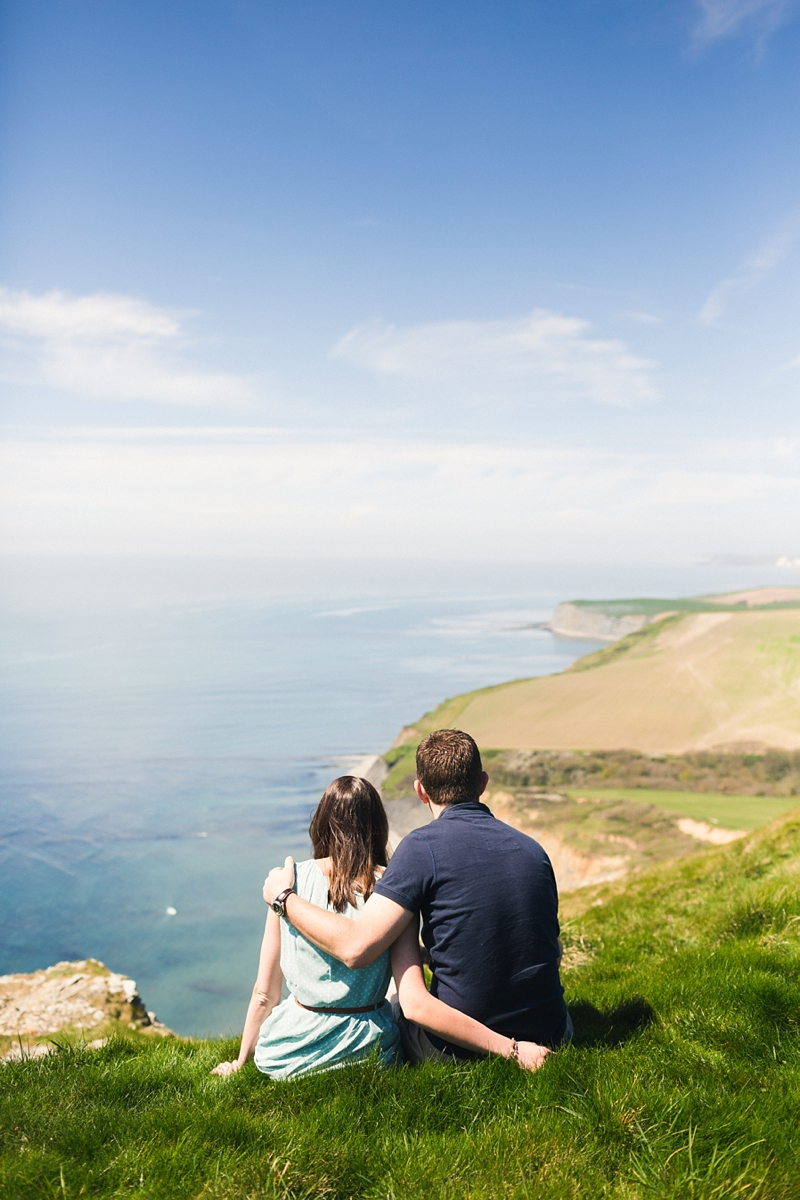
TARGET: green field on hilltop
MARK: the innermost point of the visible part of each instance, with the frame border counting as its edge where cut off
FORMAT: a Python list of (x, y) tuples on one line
[(651, 606), (733, 812), (683, 1080)]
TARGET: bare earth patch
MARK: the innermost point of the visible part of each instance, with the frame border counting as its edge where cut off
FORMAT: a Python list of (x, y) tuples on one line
[(709, 833)]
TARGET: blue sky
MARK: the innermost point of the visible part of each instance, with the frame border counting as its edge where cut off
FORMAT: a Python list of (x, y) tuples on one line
[(416, 279)]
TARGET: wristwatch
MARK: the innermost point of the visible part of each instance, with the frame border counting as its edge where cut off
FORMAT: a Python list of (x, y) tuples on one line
[(279, 903)]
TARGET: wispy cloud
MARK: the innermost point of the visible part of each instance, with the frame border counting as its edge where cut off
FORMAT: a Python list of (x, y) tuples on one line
[(792, 365), (112, 347), (753, 271), (726, 18), (544, 354), (644, 318)]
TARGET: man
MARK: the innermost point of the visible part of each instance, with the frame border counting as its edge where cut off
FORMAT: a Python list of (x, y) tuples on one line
[(489, 905)]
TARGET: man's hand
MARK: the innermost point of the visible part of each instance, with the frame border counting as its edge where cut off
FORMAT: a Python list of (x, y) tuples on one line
[(531, 1055), (278, 880)]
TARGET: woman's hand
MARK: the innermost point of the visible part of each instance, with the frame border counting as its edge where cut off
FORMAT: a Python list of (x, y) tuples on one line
[(227, 1068), (530, 1056)]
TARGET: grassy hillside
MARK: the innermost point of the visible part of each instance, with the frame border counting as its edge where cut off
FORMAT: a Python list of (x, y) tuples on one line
[(683, 1081), (689, 682)]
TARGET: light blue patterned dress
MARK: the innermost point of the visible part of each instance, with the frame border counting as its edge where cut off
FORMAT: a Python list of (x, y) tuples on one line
[(294, 1041)]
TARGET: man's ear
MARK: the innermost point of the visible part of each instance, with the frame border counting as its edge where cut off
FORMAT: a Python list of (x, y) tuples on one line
[(484, 782), (420, 790)]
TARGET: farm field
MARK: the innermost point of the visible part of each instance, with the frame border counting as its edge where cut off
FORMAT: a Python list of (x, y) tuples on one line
[(734, 812)]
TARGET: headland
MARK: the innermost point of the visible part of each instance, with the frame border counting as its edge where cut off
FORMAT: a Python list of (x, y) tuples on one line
[(683, 731)]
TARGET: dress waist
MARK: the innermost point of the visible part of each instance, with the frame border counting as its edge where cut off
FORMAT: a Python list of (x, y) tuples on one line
[(325, 1008)]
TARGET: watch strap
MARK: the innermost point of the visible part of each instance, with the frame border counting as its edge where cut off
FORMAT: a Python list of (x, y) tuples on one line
[(279, 903)]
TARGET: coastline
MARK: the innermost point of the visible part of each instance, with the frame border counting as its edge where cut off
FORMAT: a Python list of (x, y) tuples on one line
[(538, 782)]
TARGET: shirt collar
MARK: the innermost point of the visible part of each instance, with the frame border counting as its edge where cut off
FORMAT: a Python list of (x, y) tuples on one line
[(472, 807)]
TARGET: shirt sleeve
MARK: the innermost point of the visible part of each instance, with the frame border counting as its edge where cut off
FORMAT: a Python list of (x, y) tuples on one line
[(410, 874)]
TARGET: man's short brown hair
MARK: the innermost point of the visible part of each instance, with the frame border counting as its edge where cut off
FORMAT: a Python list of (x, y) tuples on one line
[(449, 767)]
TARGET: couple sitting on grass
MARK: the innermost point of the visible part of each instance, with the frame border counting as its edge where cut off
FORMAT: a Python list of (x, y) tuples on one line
[(341, 924)]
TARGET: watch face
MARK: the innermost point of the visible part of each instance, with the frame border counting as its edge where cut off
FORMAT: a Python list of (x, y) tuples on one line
[(278, 908)]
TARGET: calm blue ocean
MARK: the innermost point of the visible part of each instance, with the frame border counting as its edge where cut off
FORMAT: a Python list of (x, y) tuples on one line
[(167, 729)]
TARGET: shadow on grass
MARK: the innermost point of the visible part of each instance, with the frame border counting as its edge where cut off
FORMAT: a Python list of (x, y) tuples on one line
[(596, 1028)]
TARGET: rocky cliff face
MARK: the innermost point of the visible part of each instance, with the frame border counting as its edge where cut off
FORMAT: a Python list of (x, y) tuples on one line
[(77, 1000), (570, 620)]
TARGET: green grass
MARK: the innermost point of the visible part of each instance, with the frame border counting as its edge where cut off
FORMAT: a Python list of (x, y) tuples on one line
[(402, 770), (684, 1079), (733, 812)]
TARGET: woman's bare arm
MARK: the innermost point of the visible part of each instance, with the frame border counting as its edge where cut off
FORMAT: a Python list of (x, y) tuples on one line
[(420, 1006), (266, 994)]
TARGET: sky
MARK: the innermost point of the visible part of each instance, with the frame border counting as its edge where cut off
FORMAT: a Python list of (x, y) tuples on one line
[(508, 279)]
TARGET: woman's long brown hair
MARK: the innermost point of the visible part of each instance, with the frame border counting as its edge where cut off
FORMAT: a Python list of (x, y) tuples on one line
[(350, 827)]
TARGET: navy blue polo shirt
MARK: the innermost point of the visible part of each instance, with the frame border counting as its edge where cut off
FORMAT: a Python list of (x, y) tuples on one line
[(489, 906)]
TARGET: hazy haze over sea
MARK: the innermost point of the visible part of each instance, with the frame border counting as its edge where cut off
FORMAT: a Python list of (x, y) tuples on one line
[(167, 727)]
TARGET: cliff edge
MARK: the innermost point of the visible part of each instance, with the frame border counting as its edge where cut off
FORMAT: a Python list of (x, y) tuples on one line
[(572, 621), (78, 1001)]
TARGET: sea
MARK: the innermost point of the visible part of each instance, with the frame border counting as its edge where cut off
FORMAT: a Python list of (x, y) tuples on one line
[(167, 727)]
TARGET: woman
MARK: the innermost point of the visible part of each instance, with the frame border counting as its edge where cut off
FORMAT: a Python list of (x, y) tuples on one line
[(334, 1013)]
